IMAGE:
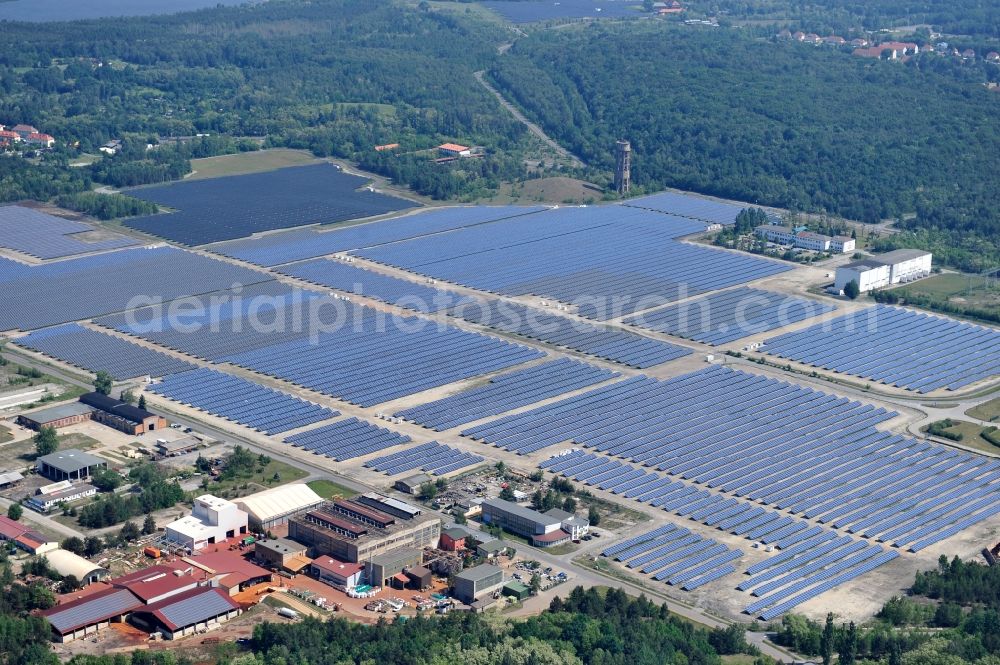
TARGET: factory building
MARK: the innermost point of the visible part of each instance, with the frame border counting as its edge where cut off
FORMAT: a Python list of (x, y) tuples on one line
[(212, 520), (354, 532), (121, 415), (57, 417), (382, 568), (194, 611), (90, 614), (71, 464), (878, 272), (542, 529), (281, 554), (275, 506), (473, 583), (338, 574)]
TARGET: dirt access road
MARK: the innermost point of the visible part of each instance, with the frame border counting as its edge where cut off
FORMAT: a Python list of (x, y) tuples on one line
[(532, 127)]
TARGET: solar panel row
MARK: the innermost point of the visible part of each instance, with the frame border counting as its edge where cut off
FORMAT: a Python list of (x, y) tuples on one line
[(368, 361), (727, 316), (95, 351), (393, 290), (506, 392), (296, 245), (688, 205), (810, 554), (241, 401), (224, 322), (620, 346), (346, 439), (432, 457), (45, 236), (608, 260), (92, 286), (898, 347), (676, 556), (217, 209), (769, 441)]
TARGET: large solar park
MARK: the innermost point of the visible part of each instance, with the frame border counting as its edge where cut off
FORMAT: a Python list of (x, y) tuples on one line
[(585, 341)]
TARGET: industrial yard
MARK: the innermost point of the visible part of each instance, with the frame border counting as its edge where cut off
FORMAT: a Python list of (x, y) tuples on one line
[(582, 387)]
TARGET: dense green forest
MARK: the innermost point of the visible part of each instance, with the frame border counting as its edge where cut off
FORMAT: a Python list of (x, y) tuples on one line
[(802, 128), (955, 17), (950, 617), (335, 76)]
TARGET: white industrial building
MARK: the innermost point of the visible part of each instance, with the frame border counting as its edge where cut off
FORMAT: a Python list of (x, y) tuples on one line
[(211, 521), (274, 506), (877, 272)]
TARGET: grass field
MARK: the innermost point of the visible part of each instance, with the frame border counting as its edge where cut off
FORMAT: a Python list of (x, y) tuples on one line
[(80, 441), (968, 291), (971, 436), (549, 190), (248, 162), (329, 489), (286, 474), (5, 435), (988, 411)]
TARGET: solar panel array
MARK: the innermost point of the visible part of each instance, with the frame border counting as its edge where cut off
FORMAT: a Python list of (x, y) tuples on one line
[(225, 322), (241, 401), (506, 392), (101, 605), (237, 206), (767, 441), (295, 245), (95, 351), (687, 205), (676, 556), (813, 558), (369, 361), (433, 457), (614, 344), (392, 290), (45, 236), (727, 316), (608, 260), (898, 347), (346, 439), (196, 608), (91, 286)]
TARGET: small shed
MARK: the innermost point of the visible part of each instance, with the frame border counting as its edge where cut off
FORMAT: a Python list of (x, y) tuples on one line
[(411, 485), (516, 589)]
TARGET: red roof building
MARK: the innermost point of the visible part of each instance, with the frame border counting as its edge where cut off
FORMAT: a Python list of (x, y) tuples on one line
[(24, 130), (10, 136), (454, 149), (88, 615), (993, 56), (41, 139), (157, 583), (187, 613), (336, 573), (231, 570)]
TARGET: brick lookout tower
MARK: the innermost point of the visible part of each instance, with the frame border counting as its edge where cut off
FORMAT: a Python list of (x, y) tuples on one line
[(623, 167)]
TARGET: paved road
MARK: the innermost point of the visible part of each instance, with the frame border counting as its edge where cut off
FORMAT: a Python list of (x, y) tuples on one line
[(42, 521), (532, 127)]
